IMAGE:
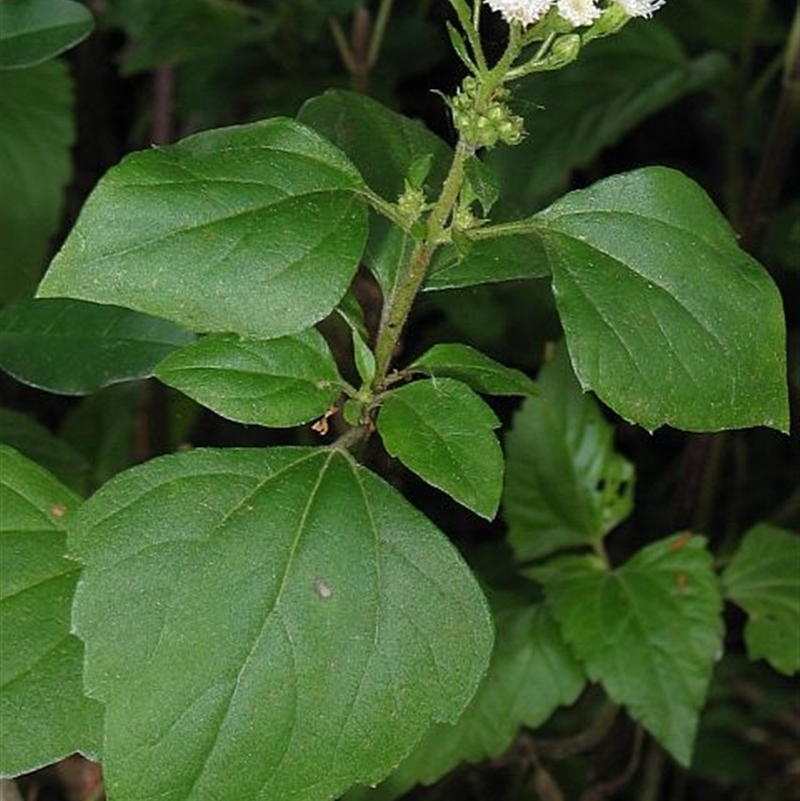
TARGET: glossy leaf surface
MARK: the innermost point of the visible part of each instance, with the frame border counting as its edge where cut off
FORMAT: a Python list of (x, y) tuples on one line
[(254, 229), (649, 631), (764, 580), (295, 603), (32, 31), (36, 134), (74, 348), (442, 431), (274, 382), (44, 714), (666, 319), (483, 374), (565, 484)]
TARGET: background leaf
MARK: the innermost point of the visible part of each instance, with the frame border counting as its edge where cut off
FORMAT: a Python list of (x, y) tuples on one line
[(574, 113), (442, 431), (488, 260), (276, 382), (764, 579), (32, 32), (474, 368), (532, 672), (649, 631), (44, 714), (385, 146), (565, 485), (295, 604), (666, 319), (73, 347), (36, 133), (37, 443), (254, 229)]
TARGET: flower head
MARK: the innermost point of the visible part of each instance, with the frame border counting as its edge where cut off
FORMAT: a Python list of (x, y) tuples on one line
[(526, 12), (641, 8), (578, 12)]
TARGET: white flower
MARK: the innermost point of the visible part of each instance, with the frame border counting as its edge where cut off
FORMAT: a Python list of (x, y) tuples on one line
[(526, 12), (578, 12), (641, 8)]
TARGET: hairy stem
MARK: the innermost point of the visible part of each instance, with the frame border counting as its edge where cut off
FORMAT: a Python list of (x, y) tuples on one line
[(397, 305)]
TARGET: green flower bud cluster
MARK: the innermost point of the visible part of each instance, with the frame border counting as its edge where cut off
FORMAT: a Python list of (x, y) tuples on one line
[(485, 124), (411, 203)]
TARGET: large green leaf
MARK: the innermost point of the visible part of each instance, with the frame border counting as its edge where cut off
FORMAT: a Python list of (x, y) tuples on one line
[(274, 382), (44, 714), (74, 348), (278, 608), (531, 674), (649, 631), (764, 580), (565, 485), (574, 113), (455, 360), (255, 229), (441, 430), (666, 319), (32, 31), (36, 133)]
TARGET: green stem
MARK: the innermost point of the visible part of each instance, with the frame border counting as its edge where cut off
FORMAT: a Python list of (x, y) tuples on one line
[(398, 305), (378, 32)]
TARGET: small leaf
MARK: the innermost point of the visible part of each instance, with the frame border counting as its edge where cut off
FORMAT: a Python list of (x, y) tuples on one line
[(460, 47), (531, 674), (44, 715), (488, 260), (565, 484), (764, 579), (74, 348), (475, 369), (32, 32), (482, 183), (442, 431), (276, 382), (36, 133), (295, 603), (255, 229), (649, 632), (666, 319)]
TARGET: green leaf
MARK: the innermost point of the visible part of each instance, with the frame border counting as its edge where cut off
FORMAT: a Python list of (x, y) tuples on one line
[(482, 183), (44, 714), (295, 603), (531, 674), (575, 113), (442, 431), (74, 348), (649, 631), (565, 485), (666, 319), (32, 32), (386, 147), (255, 229), (454, 360), (276, 382), (34, 441), (36, 133), (488, 260), (764, 579)]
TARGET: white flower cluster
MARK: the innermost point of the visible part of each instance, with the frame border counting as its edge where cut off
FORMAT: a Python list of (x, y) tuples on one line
[(578, 12)]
